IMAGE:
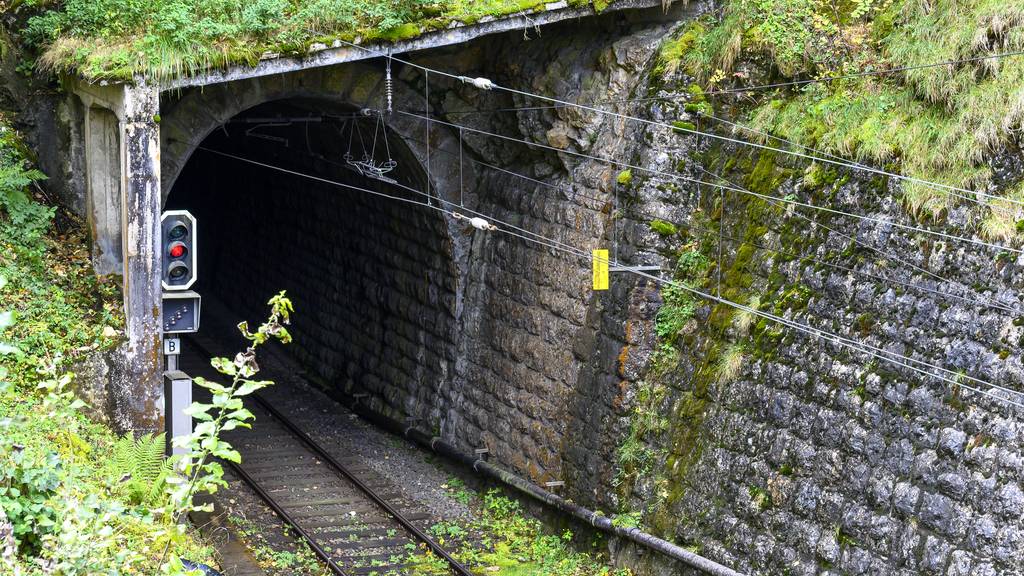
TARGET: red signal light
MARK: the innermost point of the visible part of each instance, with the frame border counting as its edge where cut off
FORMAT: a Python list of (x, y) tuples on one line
[(177, 251)]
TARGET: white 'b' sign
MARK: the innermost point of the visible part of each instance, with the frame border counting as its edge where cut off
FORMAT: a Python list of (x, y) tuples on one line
[(172, 346)]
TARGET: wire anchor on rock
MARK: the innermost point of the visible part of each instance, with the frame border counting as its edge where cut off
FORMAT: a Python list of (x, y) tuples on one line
[(476, 222)]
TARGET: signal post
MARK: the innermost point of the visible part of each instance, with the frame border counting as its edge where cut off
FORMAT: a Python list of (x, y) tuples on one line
[(181, 308)]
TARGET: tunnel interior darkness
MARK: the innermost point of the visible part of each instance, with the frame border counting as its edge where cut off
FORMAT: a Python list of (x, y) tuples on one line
[(372, 279)]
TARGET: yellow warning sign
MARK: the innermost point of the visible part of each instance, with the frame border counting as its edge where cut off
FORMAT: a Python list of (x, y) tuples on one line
[(600, 269)]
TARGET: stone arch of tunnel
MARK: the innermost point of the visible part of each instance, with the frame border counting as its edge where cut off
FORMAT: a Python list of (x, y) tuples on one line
[(375, 280), (492, 333)]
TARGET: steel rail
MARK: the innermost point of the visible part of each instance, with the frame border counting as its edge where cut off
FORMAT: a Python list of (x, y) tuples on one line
[(287, 518), (455, 565)]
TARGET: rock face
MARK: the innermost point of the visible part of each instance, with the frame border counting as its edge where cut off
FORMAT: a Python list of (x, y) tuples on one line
[(810, 456), (767, 449)]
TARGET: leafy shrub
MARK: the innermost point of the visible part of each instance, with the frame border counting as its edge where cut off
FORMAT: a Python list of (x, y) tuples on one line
[(27, 484), (62, 309)]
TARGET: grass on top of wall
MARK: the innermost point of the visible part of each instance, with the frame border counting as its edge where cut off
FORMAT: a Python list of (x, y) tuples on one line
[(940, 124), (116, 39)]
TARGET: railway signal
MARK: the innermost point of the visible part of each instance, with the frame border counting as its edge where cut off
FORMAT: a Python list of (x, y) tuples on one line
[(178, 237), (180, 315)]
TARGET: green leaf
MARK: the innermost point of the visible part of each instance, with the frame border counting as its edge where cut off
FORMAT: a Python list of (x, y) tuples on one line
[(241, 414), (224, 366), (228, 454), (209, 385), (204, 429), (198, 409), (250, 386)]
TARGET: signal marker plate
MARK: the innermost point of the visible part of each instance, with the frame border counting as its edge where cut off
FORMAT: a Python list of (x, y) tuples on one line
[(600, 269)]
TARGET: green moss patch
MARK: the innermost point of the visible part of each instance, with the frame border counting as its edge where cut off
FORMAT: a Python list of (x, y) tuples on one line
[(683, 127), (663, 228)]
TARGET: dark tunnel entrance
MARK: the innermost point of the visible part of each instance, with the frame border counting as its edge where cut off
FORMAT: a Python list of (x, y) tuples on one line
[(372, 278)]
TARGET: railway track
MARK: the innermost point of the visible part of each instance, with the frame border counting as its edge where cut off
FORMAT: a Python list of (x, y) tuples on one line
[(354, 520)]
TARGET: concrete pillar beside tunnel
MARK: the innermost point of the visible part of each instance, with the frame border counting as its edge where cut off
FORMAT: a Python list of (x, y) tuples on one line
[(124, 201), (103, 159)]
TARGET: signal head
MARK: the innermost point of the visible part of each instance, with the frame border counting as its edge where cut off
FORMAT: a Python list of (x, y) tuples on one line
[(178, 238)]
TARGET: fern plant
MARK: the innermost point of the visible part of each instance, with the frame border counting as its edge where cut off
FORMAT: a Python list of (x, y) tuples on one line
[(21, 220), (139, 469)]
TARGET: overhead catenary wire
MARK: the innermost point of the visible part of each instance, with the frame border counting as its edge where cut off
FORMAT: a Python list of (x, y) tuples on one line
[(778, 201), (794, 202), (911, 285), (508, 228), (323, 180), (820, 154), (492, 86), (875, 352), (879, 353), (774, 85), (864, 73), (980, 301), (984, 300)]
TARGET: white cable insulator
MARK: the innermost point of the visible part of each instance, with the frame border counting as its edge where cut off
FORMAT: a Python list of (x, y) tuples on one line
[(481, 83), (481, 224), (388, 89)]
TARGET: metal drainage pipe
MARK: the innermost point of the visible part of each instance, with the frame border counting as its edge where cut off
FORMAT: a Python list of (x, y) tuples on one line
[(596, 520)]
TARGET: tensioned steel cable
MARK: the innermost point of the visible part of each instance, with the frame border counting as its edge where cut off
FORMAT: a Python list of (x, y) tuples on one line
[(853, 164), (849, 76), (569, 192), (870, 73), (880, 353), (869, 246), (911, 285), (490, 85), (324, 180), (785, 84), (732, 188), (980, 301)]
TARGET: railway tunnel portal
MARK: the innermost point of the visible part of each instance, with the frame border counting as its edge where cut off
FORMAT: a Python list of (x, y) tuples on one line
[(486, 339), (482, 338), (375, 270)]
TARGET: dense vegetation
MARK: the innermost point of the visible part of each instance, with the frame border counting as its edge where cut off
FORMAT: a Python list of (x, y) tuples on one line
[(162, 38), (939, 123), (76, 498)]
